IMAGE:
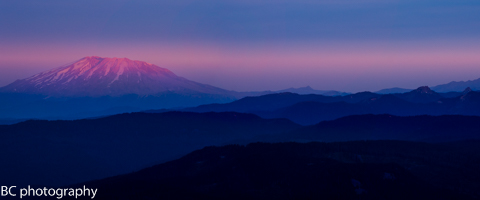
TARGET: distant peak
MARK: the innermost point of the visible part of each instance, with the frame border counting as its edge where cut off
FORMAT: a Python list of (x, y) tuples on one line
[(467, 90), (424, 90), (303, 88)]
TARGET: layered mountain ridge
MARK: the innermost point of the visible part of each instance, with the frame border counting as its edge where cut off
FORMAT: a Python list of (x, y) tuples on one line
[(458, 86), (311, 109)]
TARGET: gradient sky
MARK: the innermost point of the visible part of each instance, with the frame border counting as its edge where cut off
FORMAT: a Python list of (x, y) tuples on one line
[(245, 45)]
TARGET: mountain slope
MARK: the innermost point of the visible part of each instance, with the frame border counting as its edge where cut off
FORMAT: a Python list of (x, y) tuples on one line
[(66, 152), (393, 90), (96, 76), (420, 95), (387, 127), (28, 106), (350, 170)]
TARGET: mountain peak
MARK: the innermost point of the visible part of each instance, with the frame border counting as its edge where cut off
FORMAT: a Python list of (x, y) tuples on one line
[(467, 90), (96, 59), (100, 76), (308, 87), (92, 57), (424, 90)]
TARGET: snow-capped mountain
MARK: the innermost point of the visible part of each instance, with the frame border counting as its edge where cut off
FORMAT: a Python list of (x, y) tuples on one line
[(97, 76)]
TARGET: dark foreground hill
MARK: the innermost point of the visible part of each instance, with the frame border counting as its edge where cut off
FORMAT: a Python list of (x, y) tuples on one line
[(66, 152), (348, 170)]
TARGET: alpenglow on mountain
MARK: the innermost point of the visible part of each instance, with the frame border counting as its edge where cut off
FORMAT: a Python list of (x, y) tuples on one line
[(97, 76)]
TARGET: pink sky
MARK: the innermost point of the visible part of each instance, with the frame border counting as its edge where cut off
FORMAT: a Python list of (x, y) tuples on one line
[(245, 45), (346, 66)]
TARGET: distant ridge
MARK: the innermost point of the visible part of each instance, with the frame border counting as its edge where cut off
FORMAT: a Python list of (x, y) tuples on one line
[(454, 86), (393, 90), (313, 108), (310, 90), (459, 86)]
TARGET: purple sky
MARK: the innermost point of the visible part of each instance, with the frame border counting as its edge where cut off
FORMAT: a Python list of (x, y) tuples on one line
[(347, 45)]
